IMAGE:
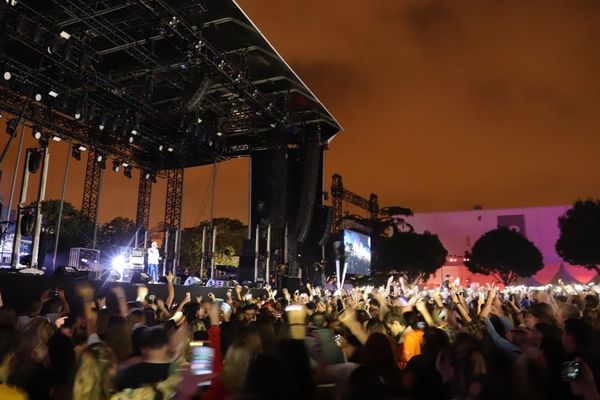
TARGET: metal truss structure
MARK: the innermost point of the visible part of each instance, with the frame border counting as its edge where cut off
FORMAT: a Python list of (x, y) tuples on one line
[(142, 218), (92, 188), (340, 195), (173, 210), (158, 84)]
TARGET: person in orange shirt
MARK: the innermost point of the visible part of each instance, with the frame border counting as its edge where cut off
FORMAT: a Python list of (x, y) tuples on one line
[(412, 339)]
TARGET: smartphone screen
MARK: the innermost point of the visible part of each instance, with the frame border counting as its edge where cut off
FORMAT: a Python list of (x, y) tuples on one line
[(202, 359)]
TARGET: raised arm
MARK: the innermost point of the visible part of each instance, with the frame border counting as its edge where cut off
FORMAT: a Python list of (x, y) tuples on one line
[(170, 291)]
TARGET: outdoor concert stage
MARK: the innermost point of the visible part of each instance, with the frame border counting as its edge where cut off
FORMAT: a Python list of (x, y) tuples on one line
[(18, 289)]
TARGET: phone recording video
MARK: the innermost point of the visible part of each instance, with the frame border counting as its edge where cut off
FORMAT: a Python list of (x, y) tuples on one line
[(202, 359), (570, 370)]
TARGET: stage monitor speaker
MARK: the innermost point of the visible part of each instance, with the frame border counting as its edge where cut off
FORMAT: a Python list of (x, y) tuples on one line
[(192, 280), (140, 277), (110, 275), (292, 284), (219, 283), (65, 271)]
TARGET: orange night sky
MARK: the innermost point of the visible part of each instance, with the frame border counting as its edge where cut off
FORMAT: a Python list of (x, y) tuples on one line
[(445, 104)]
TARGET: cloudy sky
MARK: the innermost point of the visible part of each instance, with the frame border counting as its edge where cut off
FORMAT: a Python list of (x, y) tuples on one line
[(445, 104)]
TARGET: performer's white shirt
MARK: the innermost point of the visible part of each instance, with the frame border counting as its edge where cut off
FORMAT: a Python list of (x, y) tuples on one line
[(153, 256)]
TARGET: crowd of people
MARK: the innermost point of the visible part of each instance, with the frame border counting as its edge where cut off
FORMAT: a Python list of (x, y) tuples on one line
[(398, 341)]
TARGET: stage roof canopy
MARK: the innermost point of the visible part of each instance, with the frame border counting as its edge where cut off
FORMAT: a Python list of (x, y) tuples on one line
[(160, 83)]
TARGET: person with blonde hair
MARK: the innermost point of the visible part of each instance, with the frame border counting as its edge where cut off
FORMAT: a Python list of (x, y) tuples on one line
[(231, 379), (96, 372)]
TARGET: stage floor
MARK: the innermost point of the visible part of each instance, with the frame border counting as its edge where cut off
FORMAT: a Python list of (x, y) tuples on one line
[(18, 289)]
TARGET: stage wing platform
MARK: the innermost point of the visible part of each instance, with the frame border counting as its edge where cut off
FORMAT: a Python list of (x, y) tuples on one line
[(18, 289)]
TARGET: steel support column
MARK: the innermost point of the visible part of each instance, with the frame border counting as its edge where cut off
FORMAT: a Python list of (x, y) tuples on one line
[(91, 192), (142, 216), (173, 208)]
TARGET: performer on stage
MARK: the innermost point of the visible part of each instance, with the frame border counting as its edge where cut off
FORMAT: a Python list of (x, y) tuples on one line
[(153, 259)]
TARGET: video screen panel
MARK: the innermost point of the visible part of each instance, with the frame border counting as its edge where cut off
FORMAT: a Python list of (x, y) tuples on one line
[(357, 252)]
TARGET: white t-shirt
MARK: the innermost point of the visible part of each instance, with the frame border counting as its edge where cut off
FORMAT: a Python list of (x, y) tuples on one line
[(153, 256)]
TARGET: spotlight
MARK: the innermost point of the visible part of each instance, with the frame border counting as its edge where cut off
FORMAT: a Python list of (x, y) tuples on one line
[(53, 93), (170, 149), (199, 120), (238, 79), (255, 93), (65, 35), (116, 166), (273, 125), (125, 164), (148, 176), (11, 3), (131, 139), (219, 133), (161, 147), (127, 171), (38, 97), (222, 64), (99, 158), (75, 152), (134, 132), (77, 114), (37, 133), (56, 138), (199, 45), (7, 76), (82, 148)]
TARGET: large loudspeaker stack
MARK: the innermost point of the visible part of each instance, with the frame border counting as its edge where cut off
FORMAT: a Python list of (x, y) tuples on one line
[(140, 277), (310, 177)]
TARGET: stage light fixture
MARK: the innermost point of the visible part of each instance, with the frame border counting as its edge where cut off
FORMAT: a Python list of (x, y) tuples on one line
[(7, 76), (161, 147), (82, 148), (125, 164), (99, 158), (170, 149), (131, 139), (37, 133), (65, 35), (199, 120), (199, 45), (116, 166), (77, 114), (11, 3), (38, 97), (219, 134), (273, 125), (53, 93), (255, 93), (238, 78), (147, 176), (75, 152), (222, 64), (56, 138), (127, 171), (134, 131)]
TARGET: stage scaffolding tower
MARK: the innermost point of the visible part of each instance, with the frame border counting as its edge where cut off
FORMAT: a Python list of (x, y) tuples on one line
[(142, 217), (173, 210), (91, 191)]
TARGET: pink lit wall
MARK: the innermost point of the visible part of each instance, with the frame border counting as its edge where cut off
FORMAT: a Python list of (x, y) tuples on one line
[(459, 230)]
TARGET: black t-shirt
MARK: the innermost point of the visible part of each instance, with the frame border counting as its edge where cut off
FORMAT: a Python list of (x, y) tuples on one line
[(142, 374)]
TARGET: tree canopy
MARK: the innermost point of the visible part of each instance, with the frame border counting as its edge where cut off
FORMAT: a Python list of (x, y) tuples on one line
[(74, 230), (415, 255), (117, 232), (504, 253), (230, 237), (579, 241)]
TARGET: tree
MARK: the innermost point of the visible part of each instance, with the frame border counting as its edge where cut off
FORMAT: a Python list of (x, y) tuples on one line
[(230, 237), (579, 241), (414, 255), (75, 229), (119, 231), (504, 253)]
